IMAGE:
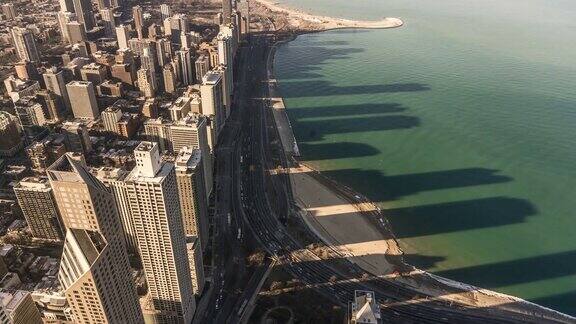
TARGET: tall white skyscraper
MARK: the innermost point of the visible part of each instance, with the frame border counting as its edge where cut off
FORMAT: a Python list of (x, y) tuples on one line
[(25, 44), (94, 270), (211, 92), (159, 229)]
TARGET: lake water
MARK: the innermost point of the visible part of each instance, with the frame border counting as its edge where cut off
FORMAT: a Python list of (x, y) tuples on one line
[(461, 124)]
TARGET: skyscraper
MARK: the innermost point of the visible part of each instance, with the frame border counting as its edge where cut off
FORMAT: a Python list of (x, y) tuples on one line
[(155, 208), (191, 132), (29, 112), (56, 83), (39, 208), (84, 13), (192, 192), (227, 11), (109, 23), (9, 11), (165, 10), (146, 83), (186, 66), (25, 44), (212, 98), (83, 99), (76, 137), (11, 141), (67, 6), (138, 15), (64, 18), (113, 178), (76, 32), (169, 78), (94, 270), (123, 35), (202, 66)]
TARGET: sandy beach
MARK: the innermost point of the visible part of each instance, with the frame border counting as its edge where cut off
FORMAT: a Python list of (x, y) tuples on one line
[(305, 22)]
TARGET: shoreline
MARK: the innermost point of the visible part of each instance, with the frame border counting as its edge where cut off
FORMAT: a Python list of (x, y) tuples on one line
[(479, 297), (303, 22)]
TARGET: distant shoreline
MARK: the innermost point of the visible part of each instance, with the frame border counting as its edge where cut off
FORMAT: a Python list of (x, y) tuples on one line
[(304, 22)]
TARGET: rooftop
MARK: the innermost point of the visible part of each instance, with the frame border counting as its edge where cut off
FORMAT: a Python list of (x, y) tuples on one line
[(34, 183), (90, 242), (188, 159)]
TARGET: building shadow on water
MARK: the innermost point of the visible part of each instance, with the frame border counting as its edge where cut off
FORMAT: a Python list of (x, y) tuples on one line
[(346, 110), (313, 130), (513, 272), (565, 302), (339, 150), (380, 187), (320, 88), (458, 216)]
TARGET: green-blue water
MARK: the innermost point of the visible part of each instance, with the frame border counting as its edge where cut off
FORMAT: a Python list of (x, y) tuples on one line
[(461, 124)]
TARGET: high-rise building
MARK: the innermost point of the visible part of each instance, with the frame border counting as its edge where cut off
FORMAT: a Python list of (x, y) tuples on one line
[(76, 137), (148, 62), (9, 11), (212, 99), (109, 23), (163, 51), (54, 109), (20, 307), (67, 6), (196, 264), (110, 117), (146, 83), (150, 108), (11, 141), (25, 70), (123, 35), (158, 130), (64, 18), (17, 88), (95, 73), (202, 65), (84, 13), (155, 208), (83, 99), (227, 11), (29, 112), (165, 10), (25, 44), (169, 78), (138, 15), (39, 208), (192, 191), (44, 152), (94, 270), (186, 66), (56, 83), (76, 32), (180, 108), (113, 178), (191, 132)]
